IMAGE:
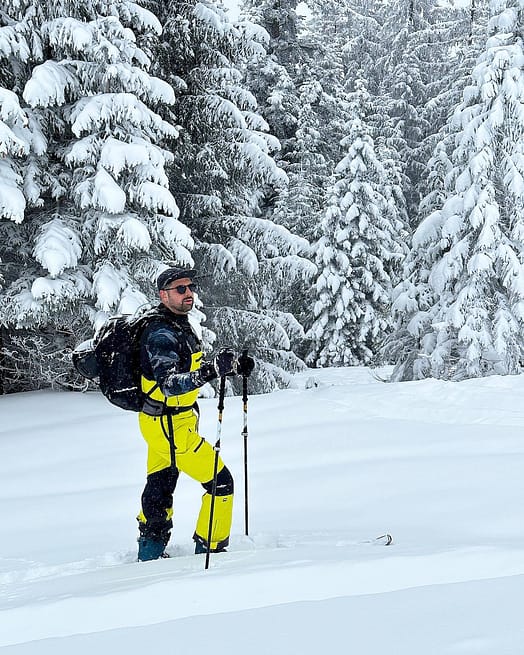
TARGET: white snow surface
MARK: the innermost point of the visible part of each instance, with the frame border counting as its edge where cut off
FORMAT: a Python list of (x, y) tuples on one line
[(333, 462)]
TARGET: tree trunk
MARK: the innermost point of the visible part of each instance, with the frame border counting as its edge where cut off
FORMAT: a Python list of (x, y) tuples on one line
[(471, 22), (2, 369), (411, 13)]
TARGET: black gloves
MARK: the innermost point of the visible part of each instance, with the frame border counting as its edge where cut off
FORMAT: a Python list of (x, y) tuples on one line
[(226, 362), (205, 373), (245, 364)]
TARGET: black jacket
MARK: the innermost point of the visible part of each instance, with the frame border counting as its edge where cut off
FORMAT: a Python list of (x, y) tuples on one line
[(166, 347)]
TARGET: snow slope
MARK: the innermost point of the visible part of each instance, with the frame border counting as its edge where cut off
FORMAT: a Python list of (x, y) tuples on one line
[(334, 462)]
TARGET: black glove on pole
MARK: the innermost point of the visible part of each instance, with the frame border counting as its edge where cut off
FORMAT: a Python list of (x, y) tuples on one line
[(244, 432), (216, 448), (224, 362)]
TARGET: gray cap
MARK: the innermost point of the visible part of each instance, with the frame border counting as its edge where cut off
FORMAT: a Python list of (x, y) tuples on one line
[(171, 274)]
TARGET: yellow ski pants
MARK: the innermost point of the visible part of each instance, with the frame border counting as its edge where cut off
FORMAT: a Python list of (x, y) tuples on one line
[(193, 456)]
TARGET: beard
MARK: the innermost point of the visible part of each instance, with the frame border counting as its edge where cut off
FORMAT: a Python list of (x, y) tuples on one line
[(183, 306)]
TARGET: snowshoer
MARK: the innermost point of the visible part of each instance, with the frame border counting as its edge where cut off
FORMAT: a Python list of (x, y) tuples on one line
[(173, 371)]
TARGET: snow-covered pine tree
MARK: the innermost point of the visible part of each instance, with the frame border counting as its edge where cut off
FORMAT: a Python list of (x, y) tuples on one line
[(318, 65), (368, 41), (104, 219), (288, 97), (274, 77), (423, 67), (21, 145), (449, 43), (403, 88), (356, 253), (461, 36), (223, 170), (461, 313), (15, 146)]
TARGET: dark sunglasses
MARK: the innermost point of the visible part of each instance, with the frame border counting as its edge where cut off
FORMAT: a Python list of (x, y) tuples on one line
[(182, 288)]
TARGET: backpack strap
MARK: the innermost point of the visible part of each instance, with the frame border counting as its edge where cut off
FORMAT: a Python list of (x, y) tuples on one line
[(153, 407), (148, 398), (171, 438)]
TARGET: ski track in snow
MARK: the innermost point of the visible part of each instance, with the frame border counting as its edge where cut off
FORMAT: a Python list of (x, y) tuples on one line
[(96, 590)]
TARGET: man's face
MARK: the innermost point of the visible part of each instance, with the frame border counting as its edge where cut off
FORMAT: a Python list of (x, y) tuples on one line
[(178, 303)]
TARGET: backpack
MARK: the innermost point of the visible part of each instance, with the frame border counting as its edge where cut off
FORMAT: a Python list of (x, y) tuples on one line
[(113, 357)]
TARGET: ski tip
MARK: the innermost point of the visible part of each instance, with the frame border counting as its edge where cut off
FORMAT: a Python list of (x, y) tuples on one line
[(384, 539)]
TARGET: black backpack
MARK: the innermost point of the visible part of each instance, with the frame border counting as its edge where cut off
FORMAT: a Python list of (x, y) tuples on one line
[(113, 357)]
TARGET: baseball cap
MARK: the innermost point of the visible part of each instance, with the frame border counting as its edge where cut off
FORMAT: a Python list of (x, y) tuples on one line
[(171, 274)]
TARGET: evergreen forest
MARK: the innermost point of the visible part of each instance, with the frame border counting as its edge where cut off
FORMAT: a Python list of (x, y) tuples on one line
[(347, 176)]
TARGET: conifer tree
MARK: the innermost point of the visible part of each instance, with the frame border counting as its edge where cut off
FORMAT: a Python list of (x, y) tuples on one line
[(223, 170), (461, 311), (356, 252), (403, 87), (15, 145), (99, 219), (461, 38), (286, 95)]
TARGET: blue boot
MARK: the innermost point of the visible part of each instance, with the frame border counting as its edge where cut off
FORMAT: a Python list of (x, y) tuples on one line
[(149, 549)]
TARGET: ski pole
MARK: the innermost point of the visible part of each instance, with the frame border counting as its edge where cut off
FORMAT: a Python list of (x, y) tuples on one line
[(216, 448), (244, 433)]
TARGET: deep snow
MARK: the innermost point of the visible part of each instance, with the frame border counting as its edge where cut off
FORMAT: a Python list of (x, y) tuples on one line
[(332, 465)]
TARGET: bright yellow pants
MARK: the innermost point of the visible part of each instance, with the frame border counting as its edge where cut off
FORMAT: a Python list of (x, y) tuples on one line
[(193, 456)]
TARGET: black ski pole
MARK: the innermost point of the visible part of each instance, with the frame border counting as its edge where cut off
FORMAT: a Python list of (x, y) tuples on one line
[(244, 433), (216, 448)]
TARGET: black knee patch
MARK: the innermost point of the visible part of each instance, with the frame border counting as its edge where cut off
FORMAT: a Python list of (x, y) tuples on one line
[(225, 485)]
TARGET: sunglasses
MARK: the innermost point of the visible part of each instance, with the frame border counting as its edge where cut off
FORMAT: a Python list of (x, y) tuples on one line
[(182, 288)]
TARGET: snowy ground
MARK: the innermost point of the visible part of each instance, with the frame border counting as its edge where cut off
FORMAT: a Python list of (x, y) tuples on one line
[(439, 465)]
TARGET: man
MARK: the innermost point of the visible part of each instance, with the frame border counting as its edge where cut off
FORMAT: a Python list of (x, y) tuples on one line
[(172, 374)]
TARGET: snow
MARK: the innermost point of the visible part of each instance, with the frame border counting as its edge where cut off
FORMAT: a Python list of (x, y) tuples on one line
[(107, 195), (76, 34), (90, 112), (245, 257), (48, 84), (108, 284), (173, 231), (156, 198), (334, 461), (134, 234), (145, 18), (57, 247), (117, 155), (10, 110), (210, 17), (12, 201)]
